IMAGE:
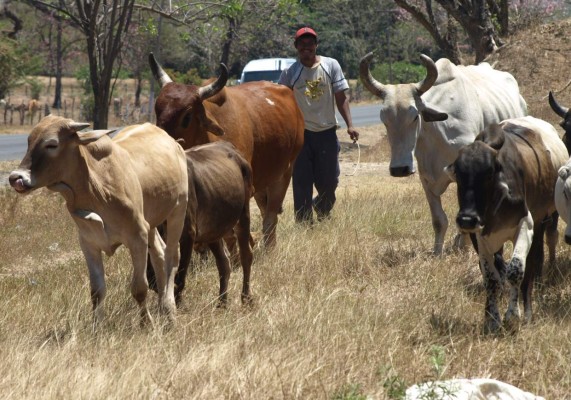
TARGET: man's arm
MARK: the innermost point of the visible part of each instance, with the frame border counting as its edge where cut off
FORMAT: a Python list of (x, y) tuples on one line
[(343, 106)]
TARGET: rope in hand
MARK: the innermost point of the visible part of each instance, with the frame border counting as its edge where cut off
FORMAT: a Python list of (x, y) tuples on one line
[(358, 159)]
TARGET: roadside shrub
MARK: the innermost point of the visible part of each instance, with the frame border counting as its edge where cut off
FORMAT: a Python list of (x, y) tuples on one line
[(398, 72)]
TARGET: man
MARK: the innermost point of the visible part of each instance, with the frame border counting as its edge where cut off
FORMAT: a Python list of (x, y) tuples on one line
[(318, 84)]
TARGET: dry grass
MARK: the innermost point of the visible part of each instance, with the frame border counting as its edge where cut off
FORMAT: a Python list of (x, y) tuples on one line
[(348, 306)]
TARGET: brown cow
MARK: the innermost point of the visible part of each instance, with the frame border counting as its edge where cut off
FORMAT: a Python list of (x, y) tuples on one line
[(506, 181), (117, 191), (261, 119), (219, 191)]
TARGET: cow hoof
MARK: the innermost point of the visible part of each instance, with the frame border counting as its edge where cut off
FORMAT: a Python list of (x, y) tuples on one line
[(512, 324), (222, 304), (492, 326), (247, 300)]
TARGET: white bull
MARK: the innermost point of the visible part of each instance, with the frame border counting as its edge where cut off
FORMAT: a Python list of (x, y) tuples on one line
[(456, 103)]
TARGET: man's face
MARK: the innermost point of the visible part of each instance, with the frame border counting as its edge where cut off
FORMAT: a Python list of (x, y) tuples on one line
[(306, 48)]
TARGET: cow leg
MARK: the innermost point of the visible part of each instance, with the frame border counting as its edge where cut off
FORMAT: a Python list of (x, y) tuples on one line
[(243, 236), (493, 281), (157, 256), (175, 224), (151, 271), (269, 216), (492, 284), (223, 265), (439, 218), (499, 262), (231, 242), (516, 267), (186, 247), (139, 286), (96, 280), (272, 198), (551, 236), (534, 263)]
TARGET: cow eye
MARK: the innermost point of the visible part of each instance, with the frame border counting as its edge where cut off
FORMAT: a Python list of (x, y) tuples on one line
[(51, 144), (186, 120)]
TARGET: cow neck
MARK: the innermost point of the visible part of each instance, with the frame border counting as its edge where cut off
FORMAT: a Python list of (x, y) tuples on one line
[(72, 188)]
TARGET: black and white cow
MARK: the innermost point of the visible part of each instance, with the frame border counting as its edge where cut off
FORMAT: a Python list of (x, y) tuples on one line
[(505, 182)]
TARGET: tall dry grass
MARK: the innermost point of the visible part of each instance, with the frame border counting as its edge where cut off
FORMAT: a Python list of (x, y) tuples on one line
[(350, 308)]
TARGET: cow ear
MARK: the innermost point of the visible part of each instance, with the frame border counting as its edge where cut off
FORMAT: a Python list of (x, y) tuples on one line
[(212, 126), (431, 114), (493, 136), (451, 172), (88, 137)]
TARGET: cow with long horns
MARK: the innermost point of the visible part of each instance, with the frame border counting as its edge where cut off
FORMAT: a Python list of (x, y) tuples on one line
[(261, 119), (432, 119)]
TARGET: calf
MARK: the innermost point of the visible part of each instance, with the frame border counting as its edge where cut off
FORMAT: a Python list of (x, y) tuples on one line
[(506, 182), (219, 191), (117, 191)]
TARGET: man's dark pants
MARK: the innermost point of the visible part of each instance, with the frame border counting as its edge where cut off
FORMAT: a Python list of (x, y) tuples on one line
[(317, 164)]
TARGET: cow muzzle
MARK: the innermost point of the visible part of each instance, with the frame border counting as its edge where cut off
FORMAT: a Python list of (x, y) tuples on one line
[(20, 182), (400, 172), (468, 223)]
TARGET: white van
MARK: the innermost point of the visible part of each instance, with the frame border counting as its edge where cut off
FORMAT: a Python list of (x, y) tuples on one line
[(265, 69)]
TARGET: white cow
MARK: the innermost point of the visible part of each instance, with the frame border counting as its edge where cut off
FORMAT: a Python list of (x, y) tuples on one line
[(563, 198), (456, 103), (468, 389), (117, 191), (563, 185)]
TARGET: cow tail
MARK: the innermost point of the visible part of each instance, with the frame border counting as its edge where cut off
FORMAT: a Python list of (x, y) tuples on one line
[(248, 179)]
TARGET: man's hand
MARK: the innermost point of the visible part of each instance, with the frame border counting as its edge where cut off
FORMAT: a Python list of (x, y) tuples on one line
[(353, 134)]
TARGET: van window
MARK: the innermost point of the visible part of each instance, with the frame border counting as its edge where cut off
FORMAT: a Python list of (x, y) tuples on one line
[(272, 76)]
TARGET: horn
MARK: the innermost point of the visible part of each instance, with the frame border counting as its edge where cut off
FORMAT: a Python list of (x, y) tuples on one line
[(77, 126), (372, 85), (559, 110), (431, 74), (160, 75), (211, 89)]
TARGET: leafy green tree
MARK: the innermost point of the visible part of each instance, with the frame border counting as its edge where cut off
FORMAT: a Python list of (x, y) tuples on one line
[(10, 70)]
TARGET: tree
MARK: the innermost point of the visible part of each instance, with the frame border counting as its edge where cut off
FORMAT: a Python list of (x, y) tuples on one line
[(348, 29), (11, 65), (231, 31), (104, 25), (475, 17)]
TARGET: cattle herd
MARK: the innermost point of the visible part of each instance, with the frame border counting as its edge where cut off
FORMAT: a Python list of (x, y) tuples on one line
[(214, 147)]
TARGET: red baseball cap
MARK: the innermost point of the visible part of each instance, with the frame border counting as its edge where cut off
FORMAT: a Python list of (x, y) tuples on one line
[(306, 30)]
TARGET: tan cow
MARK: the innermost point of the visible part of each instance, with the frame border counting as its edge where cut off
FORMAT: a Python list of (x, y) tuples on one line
[(33, 107), (117, 191)]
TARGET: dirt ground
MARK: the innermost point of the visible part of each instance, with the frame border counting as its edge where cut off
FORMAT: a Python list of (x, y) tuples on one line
[(538, 59)]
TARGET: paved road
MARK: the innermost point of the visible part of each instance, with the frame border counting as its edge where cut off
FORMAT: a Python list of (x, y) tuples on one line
[(13, 147)]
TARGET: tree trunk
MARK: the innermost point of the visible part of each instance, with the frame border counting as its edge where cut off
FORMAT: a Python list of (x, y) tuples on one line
[(59, 55), (453, 52), (504, 17), (230, 34), (138, 90)]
